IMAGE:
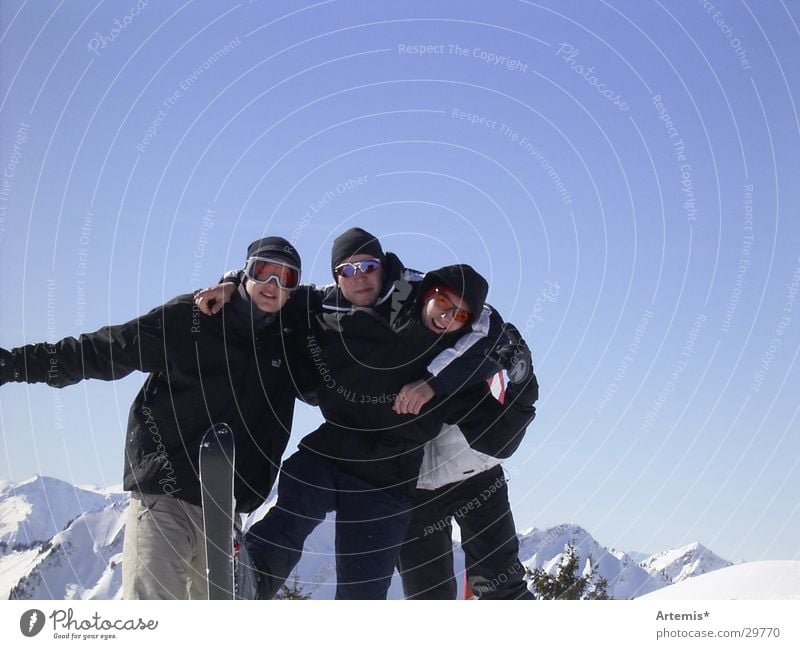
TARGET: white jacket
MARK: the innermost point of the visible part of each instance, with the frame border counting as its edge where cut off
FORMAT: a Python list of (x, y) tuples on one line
[(449, 458)]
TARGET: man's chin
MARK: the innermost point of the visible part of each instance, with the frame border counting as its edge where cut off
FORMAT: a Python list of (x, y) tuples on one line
[(268, 307), (364, 299)]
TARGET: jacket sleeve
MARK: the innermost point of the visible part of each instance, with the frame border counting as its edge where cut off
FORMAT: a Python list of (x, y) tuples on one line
[(232, 277), (108, 354), (468, 362), (491, 427), (302, 343)]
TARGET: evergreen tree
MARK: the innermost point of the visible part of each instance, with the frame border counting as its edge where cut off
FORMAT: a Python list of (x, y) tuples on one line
[(566, 583), (600, 590)]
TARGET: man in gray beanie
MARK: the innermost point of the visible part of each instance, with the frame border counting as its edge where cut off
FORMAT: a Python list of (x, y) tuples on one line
[(231, 368)]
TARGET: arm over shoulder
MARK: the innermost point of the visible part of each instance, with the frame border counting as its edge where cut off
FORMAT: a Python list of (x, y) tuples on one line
[(468, 361), (491, 427)]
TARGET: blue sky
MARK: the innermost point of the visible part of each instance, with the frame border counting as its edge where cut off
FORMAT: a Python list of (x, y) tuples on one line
[(624, 173)]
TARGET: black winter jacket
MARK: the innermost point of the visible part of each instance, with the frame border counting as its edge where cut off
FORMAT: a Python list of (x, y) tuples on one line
[(232, 368)]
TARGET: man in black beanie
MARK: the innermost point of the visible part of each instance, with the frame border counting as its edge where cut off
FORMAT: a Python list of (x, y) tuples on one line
[(230, 368), (355, 241), (359, 266)]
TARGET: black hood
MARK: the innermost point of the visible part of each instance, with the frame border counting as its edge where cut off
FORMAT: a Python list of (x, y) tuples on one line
[(459, 278)]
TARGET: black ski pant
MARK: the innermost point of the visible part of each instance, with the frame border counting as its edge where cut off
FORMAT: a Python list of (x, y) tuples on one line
[(488, 537), (371, 524)]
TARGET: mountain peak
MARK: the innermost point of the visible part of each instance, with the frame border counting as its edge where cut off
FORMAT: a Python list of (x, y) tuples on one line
[(684, 562), (35, 482), (33, 510)]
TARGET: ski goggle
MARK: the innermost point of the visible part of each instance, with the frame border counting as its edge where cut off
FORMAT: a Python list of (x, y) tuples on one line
[(350, 268), (444, 301), (262, 270)]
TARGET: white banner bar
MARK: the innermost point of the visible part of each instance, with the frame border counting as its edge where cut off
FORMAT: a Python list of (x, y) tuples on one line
[(223, 625)]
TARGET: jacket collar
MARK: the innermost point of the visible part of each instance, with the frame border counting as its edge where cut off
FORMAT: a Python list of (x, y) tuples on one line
[(244, 315)]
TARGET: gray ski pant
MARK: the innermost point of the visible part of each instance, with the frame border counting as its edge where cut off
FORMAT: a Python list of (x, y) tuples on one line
[(163, 555)]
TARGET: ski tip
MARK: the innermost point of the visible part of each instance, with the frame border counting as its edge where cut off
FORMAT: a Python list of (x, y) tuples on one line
[(218, 435), (217, 430)]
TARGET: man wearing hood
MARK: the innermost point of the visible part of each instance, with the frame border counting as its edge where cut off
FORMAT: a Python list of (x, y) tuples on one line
[(462, 479)]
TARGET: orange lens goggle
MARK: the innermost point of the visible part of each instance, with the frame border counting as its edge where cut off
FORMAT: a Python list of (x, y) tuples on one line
[(445, 302), (262, 270)]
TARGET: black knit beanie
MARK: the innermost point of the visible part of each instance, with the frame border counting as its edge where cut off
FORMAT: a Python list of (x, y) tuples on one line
[(276, 248), (355, 241)]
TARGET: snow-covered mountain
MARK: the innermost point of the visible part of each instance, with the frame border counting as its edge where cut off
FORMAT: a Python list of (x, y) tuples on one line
[(34, 510), (59, 541), (688, 561), (629, 575), (84, 561), (626, 578), (65, 542)]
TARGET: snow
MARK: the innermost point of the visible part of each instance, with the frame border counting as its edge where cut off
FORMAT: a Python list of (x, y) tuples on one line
[(758, 580), (83, 561), (109, 585), (15, 566)]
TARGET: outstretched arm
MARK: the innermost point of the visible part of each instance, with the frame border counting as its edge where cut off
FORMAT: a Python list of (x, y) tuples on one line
[(108, 354)]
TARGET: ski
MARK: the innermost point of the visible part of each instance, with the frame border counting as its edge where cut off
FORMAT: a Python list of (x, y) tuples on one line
[(217, 461)]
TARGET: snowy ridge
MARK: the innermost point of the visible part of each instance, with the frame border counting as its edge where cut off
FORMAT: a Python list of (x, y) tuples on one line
[(759, 580), (546, 549), (689, 561), (83, 560), (34, 510)]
